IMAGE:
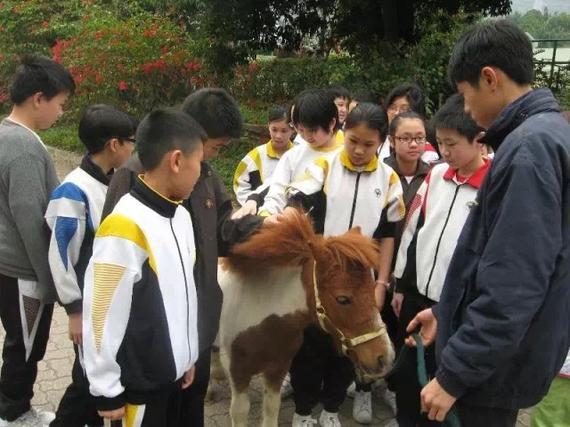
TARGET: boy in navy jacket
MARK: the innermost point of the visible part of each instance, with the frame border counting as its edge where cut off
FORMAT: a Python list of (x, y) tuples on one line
[(503, 319)]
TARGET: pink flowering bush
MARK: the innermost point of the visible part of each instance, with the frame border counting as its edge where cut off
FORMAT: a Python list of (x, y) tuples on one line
[(137, 64)]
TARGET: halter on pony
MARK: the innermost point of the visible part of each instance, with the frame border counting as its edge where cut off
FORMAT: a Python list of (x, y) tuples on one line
[(347, 344)]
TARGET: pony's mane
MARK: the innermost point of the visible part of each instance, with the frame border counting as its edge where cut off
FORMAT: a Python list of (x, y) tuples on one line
[(292, 240), (285, 243), (352, 248)]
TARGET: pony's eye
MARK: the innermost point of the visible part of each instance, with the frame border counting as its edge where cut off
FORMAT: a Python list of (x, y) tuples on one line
[(342, 300)]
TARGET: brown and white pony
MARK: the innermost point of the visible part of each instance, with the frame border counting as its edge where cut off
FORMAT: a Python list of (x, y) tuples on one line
[(277, 283)]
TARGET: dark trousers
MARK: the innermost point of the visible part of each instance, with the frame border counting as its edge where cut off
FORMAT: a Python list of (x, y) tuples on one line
[(319, 373), (77, 406), (477, 416), (405, 379), (153, 413), (189, 405), (27, 333)]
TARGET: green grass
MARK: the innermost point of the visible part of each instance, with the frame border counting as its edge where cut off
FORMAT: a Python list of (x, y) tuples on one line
[(64, 137)]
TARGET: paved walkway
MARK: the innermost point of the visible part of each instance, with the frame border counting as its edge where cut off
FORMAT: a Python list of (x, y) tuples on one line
[(54, 370)]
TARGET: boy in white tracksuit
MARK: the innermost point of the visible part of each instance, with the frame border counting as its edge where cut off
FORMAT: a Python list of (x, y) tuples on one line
[(433, 224)]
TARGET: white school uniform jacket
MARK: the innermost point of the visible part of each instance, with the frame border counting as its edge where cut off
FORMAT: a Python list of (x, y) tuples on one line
[(433, 224), (73, 215), (139, 307), (291, 167), (255, 169), (369, 196)]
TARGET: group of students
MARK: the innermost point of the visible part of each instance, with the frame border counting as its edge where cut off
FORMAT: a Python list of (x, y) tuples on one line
[(128, 243), (335, 170)]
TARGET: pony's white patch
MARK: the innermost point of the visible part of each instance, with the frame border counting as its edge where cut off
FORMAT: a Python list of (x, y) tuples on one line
[(250, 300), (271, 406)]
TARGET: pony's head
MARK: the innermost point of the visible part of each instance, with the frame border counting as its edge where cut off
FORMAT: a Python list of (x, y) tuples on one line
[(345, 287), (340, 270)]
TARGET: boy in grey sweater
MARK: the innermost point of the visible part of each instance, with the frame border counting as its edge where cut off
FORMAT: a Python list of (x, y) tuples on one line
[(27, 177)]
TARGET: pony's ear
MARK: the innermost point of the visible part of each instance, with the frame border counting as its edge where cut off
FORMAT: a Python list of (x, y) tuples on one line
[(355, 230)]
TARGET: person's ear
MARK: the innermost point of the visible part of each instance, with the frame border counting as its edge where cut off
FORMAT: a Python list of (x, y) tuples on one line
[(37, 99), (489, 77), (114, 144), (174, 160), (332, 125)]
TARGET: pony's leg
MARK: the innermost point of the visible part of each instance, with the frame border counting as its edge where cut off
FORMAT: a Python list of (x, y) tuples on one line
[(272, 381), (239, 407)]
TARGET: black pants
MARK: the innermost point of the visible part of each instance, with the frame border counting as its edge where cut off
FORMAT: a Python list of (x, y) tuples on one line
[(319, 373), (405, 379), (27, 333), (189, 405), (153, 413), (477, 416), (77, 406)]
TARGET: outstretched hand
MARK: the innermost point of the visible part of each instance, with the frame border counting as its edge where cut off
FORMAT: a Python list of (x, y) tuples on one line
[(428, 328), (249, 208)]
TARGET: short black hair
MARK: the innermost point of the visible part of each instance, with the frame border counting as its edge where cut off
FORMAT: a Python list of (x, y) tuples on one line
[(101, 122), (164, 130), (364, 95), (277, 114), (216, 111), (413, 94), (316, 108), (452, 115), (493, 43), (339, 92), (40, 74), (403, 116), (373, 115)]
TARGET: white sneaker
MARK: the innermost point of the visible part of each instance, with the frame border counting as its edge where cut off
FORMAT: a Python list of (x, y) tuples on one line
[(351, 390), (303, 420), (389, 398), (329, 419), (32, 418), (362, 407), (286, 387)]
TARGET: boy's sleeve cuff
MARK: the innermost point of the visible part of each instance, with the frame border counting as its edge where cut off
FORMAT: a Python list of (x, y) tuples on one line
[(110, 403), (450, 383), (74, 307)]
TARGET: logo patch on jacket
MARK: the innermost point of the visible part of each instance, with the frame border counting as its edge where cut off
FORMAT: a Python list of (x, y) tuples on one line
[(209, 204), (378, 192)]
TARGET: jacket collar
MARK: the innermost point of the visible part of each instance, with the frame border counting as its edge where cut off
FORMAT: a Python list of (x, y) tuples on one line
[(531, 103), (95, 171), (475, 180), (422, 169), (271, 151), (345, 161), (153, 199)]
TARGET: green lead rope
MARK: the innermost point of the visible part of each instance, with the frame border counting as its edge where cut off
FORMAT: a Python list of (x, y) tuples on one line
[(452, 418)]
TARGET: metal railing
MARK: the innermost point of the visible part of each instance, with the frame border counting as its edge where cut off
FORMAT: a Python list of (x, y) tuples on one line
[(557, 66)]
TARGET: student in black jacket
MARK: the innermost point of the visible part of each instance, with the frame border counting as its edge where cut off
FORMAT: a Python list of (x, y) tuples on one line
[(503, 319), (210, 207)]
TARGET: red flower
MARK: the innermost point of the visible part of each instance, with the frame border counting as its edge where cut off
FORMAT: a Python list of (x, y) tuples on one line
[(45, 24), (123, 86)]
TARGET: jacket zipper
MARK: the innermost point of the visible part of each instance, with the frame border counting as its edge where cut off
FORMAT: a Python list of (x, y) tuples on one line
[(354, 200), (439, 240), (186, 288)]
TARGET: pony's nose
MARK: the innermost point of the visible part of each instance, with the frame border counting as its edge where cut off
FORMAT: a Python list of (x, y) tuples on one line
[(381, 363)]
